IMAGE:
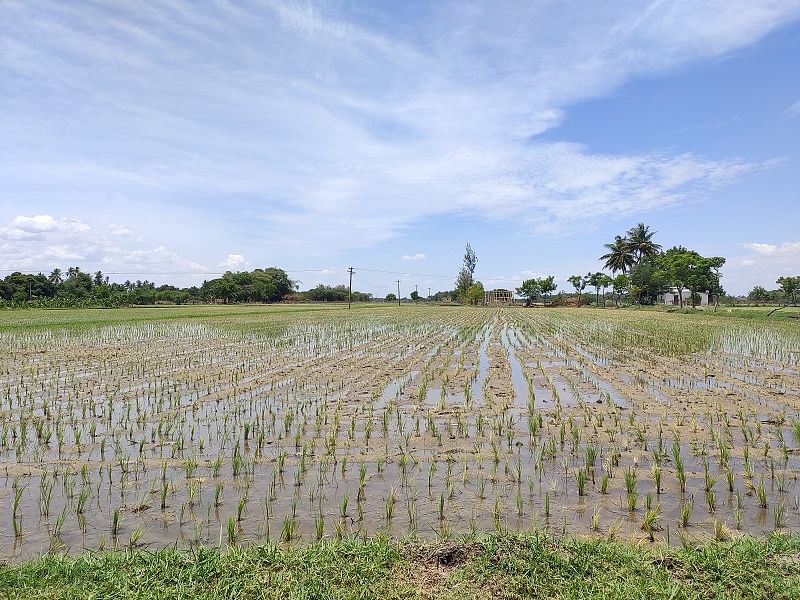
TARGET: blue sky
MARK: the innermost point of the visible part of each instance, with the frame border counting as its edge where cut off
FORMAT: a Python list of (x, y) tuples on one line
[(167, 140)]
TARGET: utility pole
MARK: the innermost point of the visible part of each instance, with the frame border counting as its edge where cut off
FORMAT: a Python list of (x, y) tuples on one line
[(429, 294), (398, 292), (350, 293), (30, 291)]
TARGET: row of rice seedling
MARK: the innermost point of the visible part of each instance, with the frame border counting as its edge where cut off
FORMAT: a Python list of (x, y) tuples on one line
[(424, 421)]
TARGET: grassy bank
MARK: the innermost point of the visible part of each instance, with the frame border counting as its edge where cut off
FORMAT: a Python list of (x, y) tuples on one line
[(511, 566)]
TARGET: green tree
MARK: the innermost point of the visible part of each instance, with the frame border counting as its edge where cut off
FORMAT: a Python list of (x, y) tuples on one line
[(475, 293), (596, 281), (621, 284), (715, 263), (547, 285), (606, 282), (790, 286), (619, 256), (530, 290), (79, 285), (465, 277), (579, 283), (679, 265), (56, 277), (415, 295), (390, 298), (758, 294)]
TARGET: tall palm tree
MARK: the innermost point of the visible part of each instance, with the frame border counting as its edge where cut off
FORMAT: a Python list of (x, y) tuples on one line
[(620, 256), (640, 240), (56, 277)]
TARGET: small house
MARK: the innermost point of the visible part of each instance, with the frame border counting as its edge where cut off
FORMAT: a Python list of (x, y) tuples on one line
[(673, 298)]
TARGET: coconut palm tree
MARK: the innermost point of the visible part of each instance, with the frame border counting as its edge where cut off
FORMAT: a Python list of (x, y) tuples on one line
[(56, 277), (620, 256), (641, 244)]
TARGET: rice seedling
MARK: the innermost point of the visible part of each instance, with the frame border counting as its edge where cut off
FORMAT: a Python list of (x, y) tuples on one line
[(390, 501), (779, 515), (650, 521), (686, 512), (632, 499), (721, 533), (596, 518), (115, 523), (580, 479), (232, 531)]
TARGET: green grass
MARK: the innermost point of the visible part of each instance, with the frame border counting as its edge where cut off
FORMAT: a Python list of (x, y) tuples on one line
[(739, 312), (495, 566), (86, 318)]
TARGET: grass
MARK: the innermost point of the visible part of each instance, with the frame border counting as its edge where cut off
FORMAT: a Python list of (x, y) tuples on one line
[(531, 565)]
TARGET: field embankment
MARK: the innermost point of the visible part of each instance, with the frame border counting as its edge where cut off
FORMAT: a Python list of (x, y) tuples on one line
[(497, 566)]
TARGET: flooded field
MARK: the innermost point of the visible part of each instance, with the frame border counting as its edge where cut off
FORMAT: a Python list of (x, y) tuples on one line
[(246, 425)]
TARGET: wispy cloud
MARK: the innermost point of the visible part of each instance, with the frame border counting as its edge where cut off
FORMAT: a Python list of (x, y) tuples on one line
[(417, 256), (794, 109)]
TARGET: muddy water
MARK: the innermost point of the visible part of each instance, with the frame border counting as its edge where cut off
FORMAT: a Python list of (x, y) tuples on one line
[(412, 424)]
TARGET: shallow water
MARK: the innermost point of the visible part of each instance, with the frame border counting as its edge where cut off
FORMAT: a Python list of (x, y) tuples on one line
[(104, 420)]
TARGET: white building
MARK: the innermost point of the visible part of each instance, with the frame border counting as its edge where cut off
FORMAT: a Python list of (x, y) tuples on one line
[(673, 298)]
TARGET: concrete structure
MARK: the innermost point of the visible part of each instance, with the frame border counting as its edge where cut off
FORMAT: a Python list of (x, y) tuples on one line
[(671, 297), (498, 298)]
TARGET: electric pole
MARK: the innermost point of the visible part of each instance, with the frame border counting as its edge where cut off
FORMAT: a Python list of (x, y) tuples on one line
[(398, 292), (350, 293), (429, 294)]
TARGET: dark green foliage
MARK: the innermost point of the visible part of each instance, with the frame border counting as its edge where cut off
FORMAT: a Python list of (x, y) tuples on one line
[(260, 285), (326, 293)]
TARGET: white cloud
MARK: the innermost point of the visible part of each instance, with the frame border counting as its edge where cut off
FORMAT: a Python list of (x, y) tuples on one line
[(120, 230), (42, 242), (794, 109), (789, 249), (417, 256), (764, 263), (37, 227), (234, 262)]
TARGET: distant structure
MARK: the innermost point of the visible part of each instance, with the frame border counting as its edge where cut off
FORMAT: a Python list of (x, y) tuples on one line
[(673, 298), (498, 298)]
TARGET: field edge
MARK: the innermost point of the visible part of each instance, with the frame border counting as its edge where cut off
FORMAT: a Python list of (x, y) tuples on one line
[(510, 565)]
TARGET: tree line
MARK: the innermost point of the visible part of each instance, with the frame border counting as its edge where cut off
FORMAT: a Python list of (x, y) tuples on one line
[(76, 288), (788, 292)]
